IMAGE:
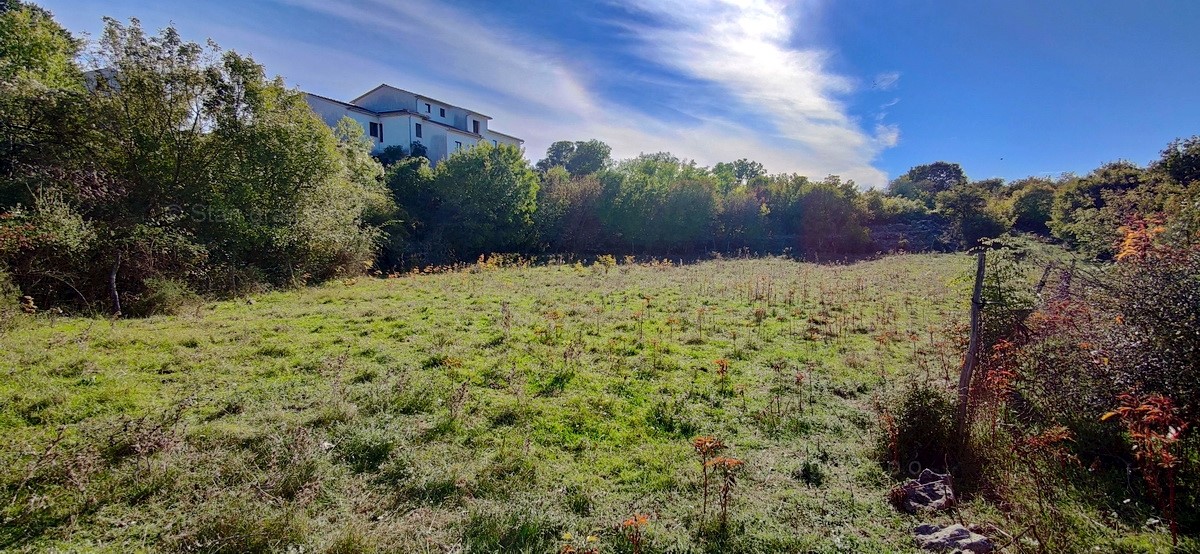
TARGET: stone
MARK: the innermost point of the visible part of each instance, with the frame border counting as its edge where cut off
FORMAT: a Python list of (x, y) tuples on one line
[(954, 539), (929, 492)]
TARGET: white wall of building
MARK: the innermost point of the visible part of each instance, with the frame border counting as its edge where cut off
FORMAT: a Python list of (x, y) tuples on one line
[(332, 112), (398, 130), (497, 139), (441, 135)]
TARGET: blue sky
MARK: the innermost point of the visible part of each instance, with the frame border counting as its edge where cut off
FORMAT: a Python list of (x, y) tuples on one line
[(860, 88)]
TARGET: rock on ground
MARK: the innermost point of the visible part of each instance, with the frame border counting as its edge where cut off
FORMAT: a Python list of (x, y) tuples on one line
[(952, 538), (928, 492)]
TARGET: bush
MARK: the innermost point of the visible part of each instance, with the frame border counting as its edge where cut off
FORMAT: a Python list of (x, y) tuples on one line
[(10, 297), (1031, 206), (163, 297), (921, 433)]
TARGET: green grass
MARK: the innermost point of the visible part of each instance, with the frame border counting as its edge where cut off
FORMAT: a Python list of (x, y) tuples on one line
[(493, 410)]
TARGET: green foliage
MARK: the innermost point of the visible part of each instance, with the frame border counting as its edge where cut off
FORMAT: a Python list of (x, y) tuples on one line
[(883, 208), (486, 199), (1087, 213), (391, 155), (578, 158), (10, 297), (182, 163), (971, 215), (924, 436), (659, 204), (925, 182), (742, 220), (830, 219), (1007, 295), (1181, 160), (163, 297), (1032, 204), (418, 150), (567, 217), (658, 201), (34, 47), (1158, 297)]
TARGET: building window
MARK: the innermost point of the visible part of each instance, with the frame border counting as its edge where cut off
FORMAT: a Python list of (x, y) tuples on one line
[(457, 146), (442, 111), (475, 127), (380, 132), (494, 143), (374, 129), (418, 130), (428, 108)]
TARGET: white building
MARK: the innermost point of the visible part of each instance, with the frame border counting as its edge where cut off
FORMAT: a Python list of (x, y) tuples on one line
[(396, 117)]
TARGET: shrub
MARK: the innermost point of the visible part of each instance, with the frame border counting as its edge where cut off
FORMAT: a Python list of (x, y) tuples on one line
[(10, 298), (1031, 205), (811, 473), (163, 297), (922, 435)]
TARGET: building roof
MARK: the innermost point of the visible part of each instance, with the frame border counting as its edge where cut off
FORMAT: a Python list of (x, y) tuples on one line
[(518, 139), (351, 105), (339, 102), (421, 96)]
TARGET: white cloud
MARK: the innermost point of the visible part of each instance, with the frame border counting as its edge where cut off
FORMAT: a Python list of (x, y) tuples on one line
[(886, 81), (737, 47), (745, 46)]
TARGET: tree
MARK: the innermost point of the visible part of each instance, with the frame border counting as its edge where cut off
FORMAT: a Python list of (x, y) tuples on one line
[(1031, 204), (742, 219), (1081, 214), (970, 214), (410, 182), (638, 191), (782, 196), (391, 155), (725, 176), (883, 208), (735, 173), (578, 158), (40, 96), (589, 157), (938, 176), (557, 155), (418, 150), (924, 182), (828, 216), (34, 47), (487, 197), (568, 212), (686, 215), (745, 170), (1181, 160), (183, 163)]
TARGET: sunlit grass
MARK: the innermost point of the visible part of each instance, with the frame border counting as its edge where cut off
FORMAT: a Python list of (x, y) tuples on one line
[(487, 408)]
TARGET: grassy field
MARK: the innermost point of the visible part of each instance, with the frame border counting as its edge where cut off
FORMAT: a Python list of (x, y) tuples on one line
[(495, 409)]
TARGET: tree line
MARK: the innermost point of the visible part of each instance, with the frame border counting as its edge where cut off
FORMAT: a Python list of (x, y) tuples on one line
[(141, 168)]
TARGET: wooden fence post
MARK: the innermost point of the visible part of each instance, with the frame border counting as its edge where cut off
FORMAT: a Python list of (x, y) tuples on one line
[(968, 367)]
